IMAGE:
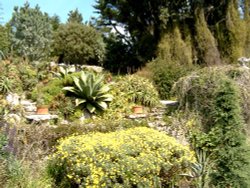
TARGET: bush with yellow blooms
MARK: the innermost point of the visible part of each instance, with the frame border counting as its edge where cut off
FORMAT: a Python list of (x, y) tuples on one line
[(136, 157)]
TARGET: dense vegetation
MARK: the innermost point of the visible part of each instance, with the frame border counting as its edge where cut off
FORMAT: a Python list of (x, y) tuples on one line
[(92, 73), (139, 157)]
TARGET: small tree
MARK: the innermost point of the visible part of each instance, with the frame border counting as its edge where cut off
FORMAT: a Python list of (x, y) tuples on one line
[(31, 32), (78, 44)]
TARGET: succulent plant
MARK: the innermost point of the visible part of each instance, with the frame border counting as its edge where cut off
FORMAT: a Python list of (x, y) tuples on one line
[(90, 92)]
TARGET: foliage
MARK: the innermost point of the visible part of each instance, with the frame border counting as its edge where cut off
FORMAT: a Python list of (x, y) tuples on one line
[(90, 92), (30, 32), (78, 44), (120, 58), (4, 40), (75, 16), (138, 90), (207, 50), (25, 176), (63, 106), (232, 32), (28, 76), (6, 85), (133, 157), (45, 93), (10, 80), (55, 22), (3, 143), (165, 74), (128, 91), (216, 98), (216, 34), (201, 169), (142, 23), (63, 72)]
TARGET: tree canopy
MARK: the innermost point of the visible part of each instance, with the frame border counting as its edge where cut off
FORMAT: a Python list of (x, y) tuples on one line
[(78, 44), (31, 32), (216, 30), (75, 16)]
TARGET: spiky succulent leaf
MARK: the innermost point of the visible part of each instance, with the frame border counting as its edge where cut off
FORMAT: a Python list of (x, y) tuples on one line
[(102, 105), (90, 92), (69, 88), (80, 101), (90, 108)]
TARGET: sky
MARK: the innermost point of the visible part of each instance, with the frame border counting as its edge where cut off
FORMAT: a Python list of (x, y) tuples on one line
[(58, 7)]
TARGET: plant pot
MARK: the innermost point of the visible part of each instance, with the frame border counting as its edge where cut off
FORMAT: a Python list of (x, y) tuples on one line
[(137, 109), (42, 110)]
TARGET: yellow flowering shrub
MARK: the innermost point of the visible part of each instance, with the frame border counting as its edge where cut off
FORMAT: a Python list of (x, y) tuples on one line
[(136, 157)]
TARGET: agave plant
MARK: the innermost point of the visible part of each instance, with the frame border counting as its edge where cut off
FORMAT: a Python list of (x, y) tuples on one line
[(5, 85), (63, 72), (90, 92), (200, 170)]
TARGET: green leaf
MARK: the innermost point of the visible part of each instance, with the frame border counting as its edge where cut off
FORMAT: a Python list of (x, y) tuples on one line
[(69, 88), (80, 101), (103, 105), (90, 108)]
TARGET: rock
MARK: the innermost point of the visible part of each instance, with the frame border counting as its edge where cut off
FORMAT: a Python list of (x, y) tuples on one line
[(13, 99), (37, 117), (169, 103), (28, 106)]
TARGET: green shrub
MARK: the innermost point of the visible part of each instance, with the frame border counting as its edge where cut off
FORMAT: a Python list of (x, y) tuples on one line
[(138, 90), (28, 76), (10, 78), (47, 92), (138, 157), (165, 74), (215, 97), (35, 142), (127, 92)]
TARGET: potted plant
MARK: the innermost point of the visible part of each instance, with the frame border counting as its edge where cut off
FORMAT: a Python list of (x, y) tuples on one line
[(138, 109), (42, 107)]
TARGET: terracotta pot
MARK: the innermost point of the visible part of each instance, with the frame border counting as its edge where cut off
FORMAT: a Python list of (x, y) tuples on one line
[(137, 109), (42, 110)]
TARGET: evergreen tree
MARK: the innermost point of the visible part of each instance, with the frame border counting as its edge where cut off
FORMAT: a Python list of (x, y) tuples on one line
[(75, 16), (217, 29), (4, 40), (208, 52), (31, 32), (55, 22)]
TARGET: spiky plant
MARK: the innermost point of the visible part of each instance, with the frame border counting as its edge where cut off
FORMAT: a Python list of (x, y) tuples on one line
[(63, 72), (90, 92), (5, 85)]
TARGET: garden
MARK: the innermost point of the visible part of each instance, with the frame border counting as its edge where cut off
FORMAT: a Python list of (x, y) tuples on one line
[(193, 125)]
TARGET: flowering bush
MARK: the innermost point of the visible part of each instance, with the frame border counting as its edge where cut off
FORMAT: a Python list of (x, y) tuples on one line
[(136, 157)]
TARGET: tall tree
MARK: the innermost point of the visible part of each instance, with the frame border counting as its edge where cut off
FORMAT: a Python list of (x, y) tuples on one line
[(31, 32), (217, 29), (77, 43), (75, 16), (208, 52), (55, 22)]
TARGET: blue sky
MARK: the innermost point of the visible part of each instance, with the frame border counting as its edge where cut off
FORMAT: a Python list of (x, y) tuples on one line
[(59, 7)]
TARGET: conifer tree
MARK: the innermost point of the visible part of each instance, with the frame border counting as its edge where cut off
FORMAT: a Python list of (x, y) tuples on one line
[(31, 33), (75, 16)]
